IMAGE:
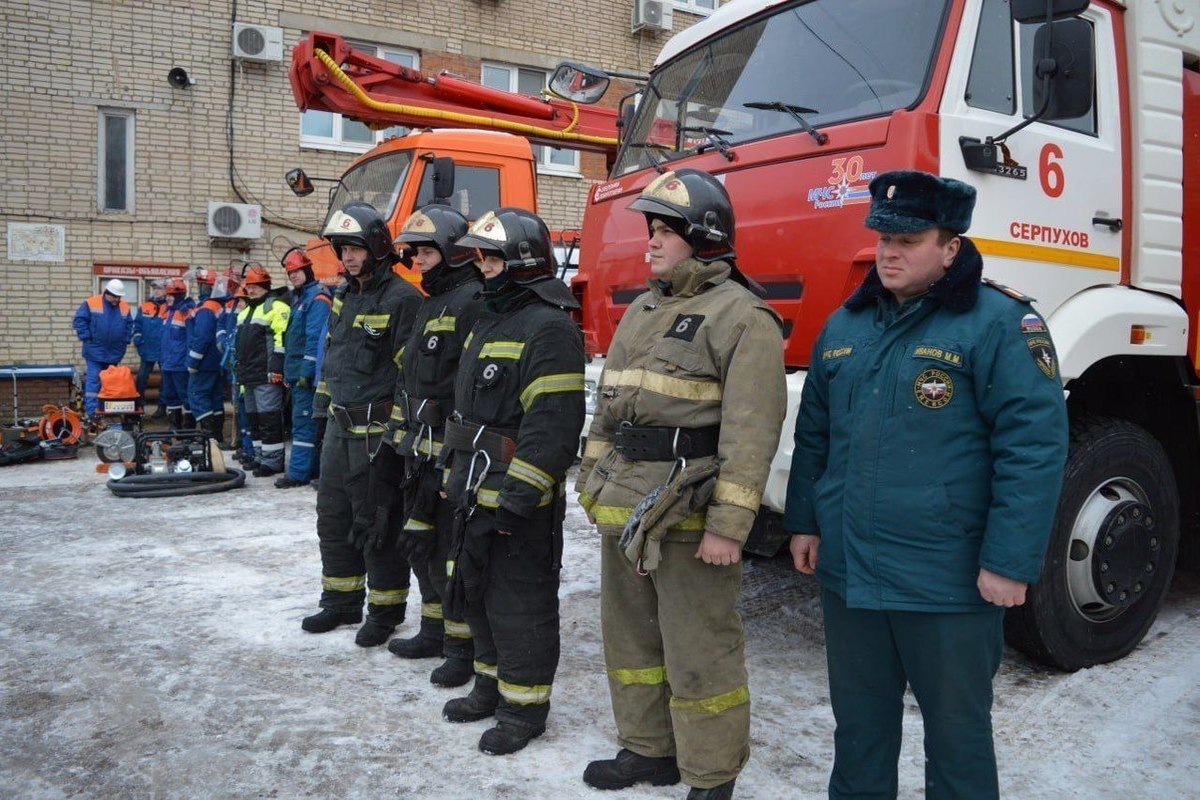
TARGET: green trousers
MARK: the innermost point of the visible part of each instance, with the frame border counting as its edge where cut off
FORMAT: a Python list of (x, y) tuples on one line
[(674, 649), (949, 660)]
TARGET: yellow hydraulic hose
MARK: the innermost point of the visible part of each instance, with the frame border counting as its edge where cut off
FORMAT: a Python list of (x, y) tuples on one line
[(468, 119)]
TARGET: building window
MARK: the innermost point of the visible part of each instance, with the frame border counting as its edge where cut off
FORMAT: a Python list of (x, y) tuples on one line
[(325, 130), (702, 7), (114, 185), (525, 80)]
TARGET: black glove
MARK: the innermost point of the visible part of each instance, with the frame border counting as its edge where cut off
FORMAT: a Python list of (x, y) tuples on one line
[(378, 520), (416, 544)]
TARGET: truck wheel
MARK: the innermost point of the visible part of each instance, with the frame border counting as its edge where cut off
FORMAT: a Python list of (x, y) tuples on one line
[(1111, 554)]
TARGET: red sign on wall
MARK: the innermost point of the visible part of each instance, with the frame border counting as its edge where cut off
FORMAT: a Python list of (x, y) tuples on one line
[(139, 270)]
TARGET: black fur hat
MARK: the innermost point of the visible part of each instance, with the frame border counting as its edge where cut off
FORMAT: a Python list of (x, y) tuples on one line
[(907, 201)]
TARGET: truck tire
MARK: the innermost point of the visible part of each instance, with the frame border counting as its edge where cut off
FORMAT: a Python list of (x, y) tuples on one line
[(1111, 553)]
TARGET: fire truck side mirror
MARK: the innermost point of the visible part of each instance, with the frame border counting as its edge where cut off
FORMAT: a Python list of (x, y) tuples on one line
[(1073, 69), (578, 82), (443, 179), (1035, 10), (298, 182)]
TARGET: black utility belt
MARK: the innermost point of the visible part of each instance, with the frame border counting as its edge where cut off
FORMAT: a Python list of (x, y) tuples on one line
[(349, 417), (426, 411), (499, 443), (665, 443)]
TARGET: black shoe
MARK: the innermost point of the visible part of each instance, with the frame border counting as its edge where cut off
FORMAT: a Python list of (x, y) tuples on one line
[(288, 482), (159, 413), (508, 737), (416, 647), (373, 633), (265, 471), (629, 768), (327, 619), (479, 704), (452, 672), (722, 792)]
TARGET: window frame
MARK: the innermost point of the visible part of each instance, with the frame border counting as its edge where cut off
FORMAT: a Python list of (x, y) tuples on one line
[(541, 157), (692, 7), (130, 117), (337, 142)]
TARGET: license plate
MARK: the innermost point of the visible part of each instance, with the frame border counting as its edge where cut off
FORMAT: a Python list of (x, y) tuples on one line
[(119, 406)]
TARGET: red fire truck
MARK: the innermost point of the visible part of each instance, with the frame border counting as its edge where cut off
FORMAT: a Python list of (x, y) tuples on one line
[(1078, 123)]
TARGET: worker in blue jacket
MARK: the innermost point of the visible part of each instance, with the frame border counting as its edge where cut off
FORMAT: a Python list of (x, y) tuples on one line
[(930, 445), (104, 323), (206, 395), (174, 390), (147, 336), (307, 323)]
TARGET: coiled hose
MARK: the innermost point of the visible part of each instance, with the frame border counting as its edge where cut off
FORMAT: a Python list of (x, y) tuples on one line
[(176, 484)]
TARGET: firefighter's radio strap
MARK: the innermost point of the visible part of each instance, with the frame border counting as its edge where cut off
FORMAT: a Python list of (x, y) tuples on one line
[(665, 443), (686, 490)]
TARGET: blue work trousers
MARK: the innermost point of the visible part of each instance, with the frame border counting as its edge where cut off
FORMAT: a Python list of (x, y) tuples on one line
[(91, 386), (173, 393), (145, 370), (303, 466), (205, 394)]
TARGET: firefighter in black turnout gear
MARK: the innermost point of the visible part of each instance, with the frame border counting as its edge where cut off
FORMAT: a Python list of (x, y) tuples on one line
[(359, 503), (424, 399), (519, 407)]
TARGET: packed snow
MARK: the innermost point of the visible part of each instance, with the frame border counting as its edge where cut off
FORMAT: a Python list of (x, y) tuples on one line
[(152, 648)]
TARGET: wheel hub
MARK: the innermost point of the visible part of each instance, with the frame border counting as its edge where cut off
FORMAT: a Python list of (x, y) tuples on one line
[(1126, 554)]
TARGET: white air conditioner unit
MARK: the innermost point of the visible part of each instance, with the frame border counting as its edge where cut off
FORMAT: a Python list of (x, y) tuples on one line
[(234, 220), (654, 15), (257, 42)]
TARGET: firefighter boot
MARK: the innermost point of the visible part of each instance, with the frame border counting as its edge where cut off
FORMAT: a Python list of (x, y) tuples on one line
[(479, 704), (629, 768), (452, 672), (426, 644), (175, 418), (508, 737), (373, 632), (722, 792), (189, 422), (327, 619)]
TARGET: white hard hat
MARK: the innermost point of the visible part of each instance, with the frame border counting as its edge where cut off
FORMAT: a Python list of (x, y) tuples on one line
[(115, 286)]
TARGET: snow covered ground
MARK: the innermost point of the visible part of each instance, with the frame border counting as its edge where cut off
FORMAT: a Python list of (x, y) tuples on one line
[(152, 648)]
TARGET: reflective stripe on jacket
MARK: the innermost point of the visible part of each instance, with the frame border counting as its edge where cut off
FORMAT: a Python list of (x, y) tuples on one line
[(175, 337), (203, 324), (306, 325), (104, 329), (261, 325)]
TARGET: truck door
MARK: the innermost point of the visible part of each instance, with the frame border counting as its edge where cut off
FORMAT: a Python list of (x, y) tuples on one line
[(1037, 234)]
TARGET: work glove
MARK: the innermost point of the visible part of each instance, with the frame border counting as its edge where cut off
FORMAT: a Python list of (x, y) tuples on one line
[(275, 377), (378, 521), (303, 383), (416, 544)]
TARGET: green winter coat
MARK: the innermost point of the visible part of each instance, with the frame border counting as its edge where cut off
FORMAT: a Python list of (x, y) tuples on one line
[(930, 443)]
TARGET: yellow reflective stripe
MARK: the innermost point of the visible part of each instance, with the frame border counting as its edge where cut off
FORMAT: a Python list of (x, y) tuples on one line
[(524, 695), (487, 670), (597, 448), (459, 630), (736, 495), (490, 498), (619, 515), (550, 384), (449, 568), (647, 676), (502, 350), (441, 324), (398, 412), (586, 500), (467, 343), (415, 524), (424, 447), (715, 704), (386, 597), (322, 387), (355, 583), (1052, 255), (398, 359), (374, 321), (680, 388), (529, 473), (337, 305), (431, 610)]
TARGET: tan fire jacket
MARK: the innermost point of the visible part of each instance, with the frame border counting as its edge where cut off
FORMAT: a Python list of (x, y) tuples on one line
[(707, 352)]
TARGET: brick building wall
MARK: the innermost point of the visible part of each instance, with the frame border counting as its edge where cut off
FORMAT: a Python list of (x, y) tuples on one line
[(67, 59)]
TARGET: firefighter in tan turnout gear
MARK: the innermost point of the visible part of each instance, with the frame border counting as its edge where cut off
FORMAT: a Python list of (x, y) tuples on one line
[(690, 407), (518, 412), (359, 503)]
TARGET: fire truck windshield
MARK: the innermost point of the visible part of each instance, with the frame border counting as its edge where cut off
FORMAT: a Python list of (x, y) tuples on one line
[(377, 181), (831, 60)]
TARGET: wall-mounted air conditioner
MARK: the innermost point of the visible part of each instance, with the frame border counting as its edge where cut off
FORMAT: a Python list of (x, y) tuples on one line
[(257, 42), (651, 15), (234, 220)]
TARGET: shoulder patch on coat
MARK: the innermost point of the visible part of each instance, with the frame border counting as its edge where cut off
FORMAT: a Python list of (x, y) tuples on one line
[(684, 327), (1032, 323), (1008, 290), (1042, 350)]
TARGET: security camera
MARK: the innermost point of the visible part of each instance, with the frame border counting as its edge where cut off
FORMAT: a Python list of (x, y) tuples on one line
[(179, 78)]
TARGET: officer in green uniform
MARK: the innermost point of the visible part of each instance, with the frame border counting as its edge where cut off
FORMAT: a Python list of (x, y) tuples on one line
[(518, 411), (692, 400), (359, 503), (424, 399), (930, 444)]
